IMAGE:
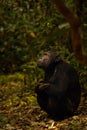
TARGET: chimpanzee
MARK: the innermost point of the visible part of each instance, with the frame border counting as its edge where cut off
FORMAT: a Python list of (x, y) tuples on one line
[(59, 93)]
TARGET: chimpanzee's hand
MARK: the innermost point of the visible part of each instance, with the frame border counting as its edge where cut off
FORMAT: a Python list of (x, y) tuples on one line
[(43, 85)]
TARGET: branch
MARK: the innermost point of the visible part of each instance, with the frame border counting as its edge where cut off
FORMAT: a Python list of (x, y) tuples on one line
[(75, 30)]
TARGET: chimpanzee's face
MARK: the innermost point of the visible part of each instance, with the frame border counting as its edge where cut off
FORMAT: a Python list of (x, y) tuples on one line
[(46, 60)]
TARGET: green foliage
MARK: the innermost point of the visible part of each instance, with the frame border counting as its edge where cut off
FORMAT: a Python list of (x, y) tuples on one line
[(27, 29)]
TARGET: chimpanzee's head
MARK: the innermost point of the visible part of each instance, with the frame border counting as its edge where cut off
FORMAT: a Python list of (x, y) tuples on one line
[(49, 58)]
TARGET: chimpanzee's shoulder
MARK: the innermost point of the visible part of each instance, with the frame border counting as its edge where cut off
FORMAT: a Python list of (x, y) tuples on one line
[(64, 66)]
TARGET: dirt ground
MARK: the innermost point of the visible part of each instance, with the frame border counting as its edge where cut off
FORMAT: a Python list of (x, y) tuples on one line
[(19, 111)]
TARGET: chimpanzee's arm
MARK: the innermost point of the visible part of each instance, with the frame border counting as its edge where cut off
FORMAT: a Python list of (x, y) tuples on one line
[(41, 86), (58, 88), (60, 81), (53, 90)]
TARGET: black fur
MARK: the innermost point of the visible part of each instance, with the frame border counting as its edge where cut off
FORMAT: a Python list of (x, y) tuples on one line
[(59, 93)]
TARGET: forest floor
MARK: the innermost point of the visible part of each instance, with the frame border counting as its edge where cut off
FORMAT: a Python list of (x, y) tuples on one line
[(19, 110)]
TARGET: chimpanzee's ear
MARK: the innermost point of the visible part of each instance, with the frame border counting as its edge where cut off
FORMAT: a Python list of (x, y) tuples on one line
[(58, 59)]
